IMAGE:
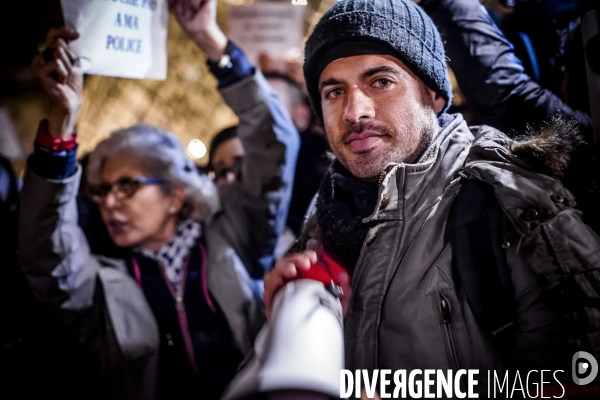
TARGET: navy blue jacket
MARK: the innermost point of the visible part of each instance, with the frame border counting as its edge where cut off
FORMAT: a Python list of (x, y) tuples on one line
[(490, 76)]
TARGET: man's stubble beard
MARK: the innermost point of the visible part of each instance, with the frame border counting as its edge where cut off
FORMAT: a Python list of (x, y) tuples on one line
[(400, 146)]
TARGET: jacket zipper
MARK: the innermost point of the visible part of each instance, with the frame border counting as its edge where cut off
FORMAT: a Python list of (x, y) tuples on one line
[(380, 181), (362, 251), (355, 282), (447, 320), (182, 313), (379, 185), (179, 306)]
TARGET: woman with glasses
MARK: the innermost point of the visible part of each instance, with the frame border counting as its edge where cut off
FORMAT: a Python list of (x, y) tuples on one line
[(175, 316)]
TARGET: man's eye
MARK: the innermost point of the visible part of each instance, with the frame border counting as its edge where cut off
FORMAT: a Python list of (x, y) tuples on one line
[(332, 94), (382, 82)]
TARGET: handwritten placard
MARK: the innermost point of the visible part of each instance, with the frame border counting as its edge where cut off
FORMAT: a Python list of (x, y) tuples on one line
[(269, 27), (122, 38)]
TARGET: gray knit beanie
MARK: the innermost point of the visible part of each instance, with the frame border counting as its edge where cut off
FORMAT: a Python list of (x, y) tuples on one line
[(395, 27)]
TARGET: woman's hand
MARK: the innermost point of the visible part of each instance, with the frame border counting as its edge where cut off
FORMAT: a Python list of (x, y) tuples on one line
[(59, 72), (198, 18)]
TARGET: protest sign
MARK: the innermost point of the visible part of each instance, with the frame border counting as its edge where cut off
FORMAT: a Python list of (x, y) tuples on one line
[(268, 27), (123, 38)]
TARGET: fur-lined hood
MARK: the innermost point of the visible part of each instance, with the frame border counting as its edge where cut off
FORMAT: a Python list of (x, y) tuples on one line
[(548, 149), (524, 171)]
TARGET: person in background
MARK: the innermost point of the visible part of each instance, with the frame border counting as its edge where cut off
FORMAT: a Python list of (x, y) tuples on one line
[(513, 101), (481, 56), (33, 342), (225, 156), (226, 153), (313, 158), (174, 317)]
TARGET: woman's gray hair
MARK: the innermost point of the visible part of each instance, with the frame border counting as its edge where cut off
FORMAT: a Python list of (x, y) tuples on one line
[(164, 156)]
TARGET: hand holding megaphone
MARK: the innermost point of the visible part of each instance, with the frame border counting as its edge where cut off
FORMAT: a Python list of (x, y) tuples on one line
[(300, 352), (308, 264)]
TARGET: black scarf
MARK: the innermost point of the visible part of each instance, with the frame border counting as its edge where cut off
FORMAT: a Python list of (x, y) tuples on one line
[(343, 202)]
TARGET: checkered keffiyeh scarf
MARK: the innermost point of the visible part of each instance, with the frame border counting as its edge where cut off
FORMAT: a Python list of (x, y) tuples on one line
[(172, 255)]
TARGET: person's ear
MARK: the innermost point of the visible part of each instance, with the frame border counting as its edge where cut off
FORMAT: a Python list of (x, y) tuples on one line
[(438, 103), (177, 199)]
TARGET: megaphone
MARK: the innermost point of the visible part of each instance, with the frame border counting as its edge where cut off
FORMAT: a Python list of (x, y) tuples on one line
[(302, 346)]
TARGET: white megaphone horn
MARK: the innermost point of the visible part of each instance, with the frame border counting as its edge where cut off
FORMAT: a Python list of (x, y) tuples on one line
[(301, 349)]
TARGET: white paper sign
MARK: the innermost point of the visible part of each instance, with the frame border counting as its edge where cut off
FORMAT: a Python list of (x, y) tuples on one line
[(267, 27), (123, 38)]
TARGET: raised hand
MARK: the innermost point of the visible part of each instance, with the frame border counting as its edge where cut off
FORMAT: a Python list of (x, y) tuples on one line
[(60, 75), (198, 18)]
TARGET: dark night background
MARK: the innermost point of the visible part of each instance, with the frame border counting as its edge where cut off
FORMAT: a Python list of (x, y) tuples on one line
[(22, 26)]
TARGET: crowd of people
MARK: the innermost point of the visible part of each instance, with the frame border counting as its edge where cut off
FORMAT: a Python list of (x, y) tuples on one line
[(460, 247)]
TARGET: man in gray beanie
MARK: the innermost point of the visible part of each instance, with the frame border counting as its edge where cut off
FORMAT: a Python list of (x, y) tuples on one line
[(449, 237)]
